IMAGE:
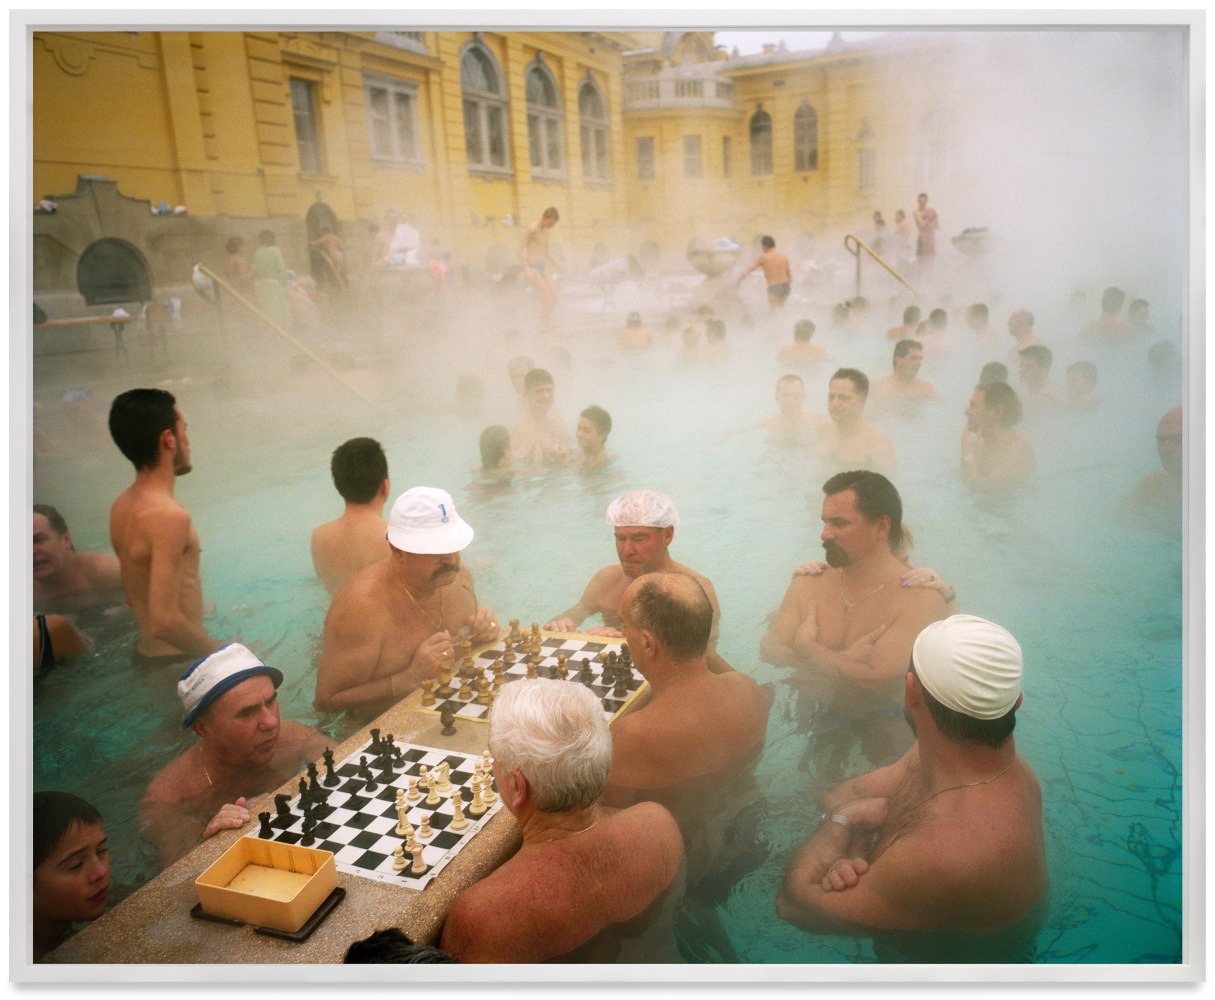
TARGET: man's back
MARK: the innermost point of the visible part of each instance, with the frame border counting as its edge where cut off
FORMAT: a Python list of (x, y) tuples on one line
[(342, 547), (552, 897)]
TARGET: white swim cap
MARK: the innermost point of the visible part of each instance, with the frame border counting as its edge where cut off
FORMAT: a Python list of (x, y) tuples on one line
[(642, 509), (970, 665)]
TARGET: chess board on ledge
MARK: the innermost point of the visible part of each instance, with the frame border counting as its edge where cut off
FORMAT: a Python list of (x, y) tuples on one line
[(600, 663), (356, 817)]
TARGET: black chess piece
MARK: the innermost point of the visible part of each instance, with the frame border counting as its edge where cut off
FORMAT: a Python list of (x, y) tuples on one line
[(375, 740), (448, 718), (312, 782), (266, 832), (309, 826), (303, 790), (280, 803), (364, 772), (331, 778)]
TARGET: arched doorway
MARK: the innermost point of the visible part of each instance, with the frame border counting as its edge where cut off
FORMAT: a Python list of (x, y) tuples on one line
[(112, 271)]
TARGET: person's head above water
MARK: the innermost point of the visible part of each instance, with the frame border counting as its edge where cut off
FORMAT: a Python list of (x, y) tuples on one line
[(146, 425), (495, 446), (790, 392), (423, 521), (846, 395), (360, 469), (969, 671), (517, 368), (993, 403), (1170, 441), (538, 390), (908, 356), (215, 675), (768, 243), (862, 512), (644, 523), (994, 371), (911, 315), (551, 736), (666, 614), (1021, 322), (594, 425), (1111, 301), (71, 870), (803, 330), (1035, 362)]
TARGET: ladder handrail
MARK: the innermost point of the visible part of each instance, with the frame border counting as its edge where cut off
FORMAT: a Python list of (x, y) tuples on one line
[(221, 283), (860, 245)]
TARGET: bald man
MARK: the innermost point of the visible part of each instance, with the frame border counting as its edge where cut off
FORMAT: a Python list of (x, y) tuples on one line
[(1156, 501)]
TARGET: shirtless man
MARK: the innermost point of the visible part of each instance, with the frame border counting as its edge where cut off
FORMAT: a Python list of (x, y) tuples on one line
[(927, 223), (776, 272), (536, 258), (396, 622), (801, 351), (949, 838), (64, 579), (977, 320), (342, 547), (583, 869), (791, 425), (849, 440), (157, 544), (1156, 501), (1109, 326), (644, 522), (1021, 329), (635, 336), (848, 633), (991, 450), (243, 750), (904, 383), (1034, 369), (695, 722), (911, 319), (540, 435)]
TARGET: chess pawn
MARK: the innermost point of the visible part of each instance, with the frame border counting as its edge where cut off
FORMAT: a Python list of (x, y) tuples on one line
[(414, 794), (508, 656), (562, 670), (458, 819), (466, 691), (423, 776), (487, 762), (398, 859), (482, 686), (531, 669), (467, 668), (428, 691), (419, 866), (477, 807), (444, 777), (424, 831), (514, 629)]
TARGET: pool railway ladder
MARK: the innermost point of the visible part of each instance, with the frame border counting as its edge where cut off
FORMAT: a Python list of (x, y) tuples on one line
[(221, 283), (855, 246)]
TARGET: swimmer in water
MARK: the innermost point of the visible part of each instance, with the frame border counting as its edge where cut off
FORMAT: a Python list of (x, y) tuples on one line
[(801, 351), (949, 838), (67, 580), (1156, 501), (342, 547), (71, 867), (1081, 383), (791, 425), (977, 321), (396, 622), (849, 440), (635, 336), (904, 383), (1109, 326), (539, 436), (911, 320), (537, 260), (154, 535), (1021, 329), (594, 426), (848, 633), (991, 450), (1034, 371)]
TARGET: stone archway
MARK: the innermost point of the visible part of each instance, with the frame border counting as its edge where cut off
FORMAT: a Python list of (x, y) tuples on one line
[(112, 271)]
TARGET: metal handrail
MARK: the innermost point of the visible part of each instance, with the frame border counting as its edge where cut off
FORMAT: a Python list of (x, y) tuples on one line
[(856, 249), (221, 283)]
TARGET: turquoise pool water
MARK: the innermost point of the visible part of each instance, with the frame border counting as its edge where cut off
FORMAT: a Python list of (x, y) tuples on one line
[(1096, 607)]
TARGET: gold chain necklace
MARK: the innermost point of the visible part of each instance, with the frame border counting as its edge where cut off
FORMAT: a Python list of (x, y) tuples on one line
[(971, 784), (849, 605), (202, 760), (438, 625)]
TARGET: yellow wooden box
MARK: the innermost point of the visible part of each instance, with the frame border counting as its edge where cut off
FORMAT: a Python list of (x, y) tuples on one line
[(266, 883)]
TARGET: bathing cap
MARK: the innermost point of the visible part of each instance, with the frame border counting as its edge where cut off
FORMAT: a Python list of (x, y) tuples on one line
[(424, 521), (218, 673), (642, 509), (970, 665)]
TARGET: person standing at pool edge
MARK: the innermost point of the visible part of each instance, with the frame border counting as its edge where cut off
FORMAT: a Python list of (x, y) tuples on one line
[(536, 257), (396, 622), (950, 837), (776, 272), (152, 533)]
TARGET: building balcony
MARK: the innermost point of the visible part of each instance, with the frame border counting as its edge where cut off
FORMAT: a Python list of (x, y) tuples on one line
[(675, 91)]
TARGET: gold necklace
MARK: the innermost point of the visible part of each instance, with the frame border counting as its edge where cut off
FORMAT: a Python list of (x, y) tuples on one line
[(971, 784), (848, 606), (438, 625), (202, 760)]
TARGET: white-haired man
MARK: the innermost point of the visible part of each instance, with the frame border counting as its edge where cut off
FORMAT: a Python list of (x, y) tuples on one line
[(949, 838), (644, 523), (243, 750), (396, 621), (583, 869)]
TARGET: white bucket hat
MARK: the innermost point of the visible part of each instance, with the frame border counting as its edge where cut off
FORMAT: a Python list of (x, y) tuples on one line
[(424, 521), (218, 673)]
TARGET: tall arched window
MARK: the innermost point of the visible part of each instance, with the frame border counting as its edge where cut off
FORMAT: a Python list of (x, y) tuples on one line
[(484, 110), (545, 134), (805, 139), (593, 128), (761, 143)]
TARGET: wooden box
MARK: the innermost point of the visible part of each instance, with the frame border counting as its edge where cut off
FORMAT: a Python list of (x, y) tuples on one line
[(266, 883)]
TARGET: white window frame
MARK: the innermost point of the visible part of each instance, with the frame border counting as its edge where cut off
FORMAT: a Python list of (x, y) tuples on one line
[(393, 88), (545, 126), (593, 133), (485, 105)]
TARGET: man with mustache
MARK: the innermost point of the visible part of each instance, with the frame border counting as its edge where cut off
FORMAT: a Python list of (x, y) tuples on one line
[(397, 622), (848, 633), (243, 750)]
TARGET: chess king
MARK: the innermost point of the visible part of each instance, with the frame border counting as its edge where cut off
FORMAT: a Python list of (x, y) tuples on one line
[(393, 624), (583, 868), (243, 750)]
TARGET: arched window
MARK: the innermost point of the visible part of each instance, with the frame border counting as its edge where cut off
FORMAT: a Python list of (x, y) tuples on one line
[(484, 110), (805, 139), (593, 127), (761, 143), (545, 134)]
